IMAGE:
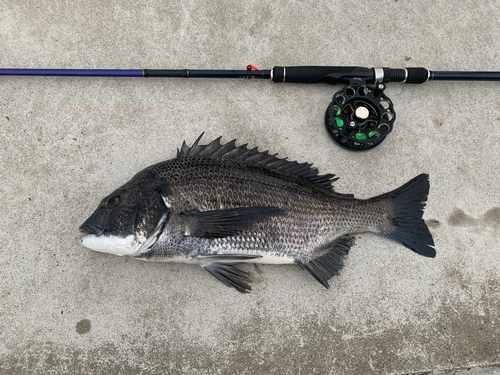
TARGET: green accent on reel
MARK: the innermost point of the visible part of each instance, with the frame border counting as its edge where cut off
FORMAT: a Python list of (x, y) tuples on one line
[(360, 136), (371, 134), (339, 122)]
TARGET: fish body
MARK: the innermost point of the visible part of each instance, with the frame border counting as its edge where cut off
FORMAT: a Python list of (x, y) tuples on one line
[(221, 204)]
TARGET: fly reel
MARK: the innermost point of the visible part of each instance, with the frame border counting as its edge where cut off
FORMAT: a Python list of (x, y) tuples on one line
[(360, 116)]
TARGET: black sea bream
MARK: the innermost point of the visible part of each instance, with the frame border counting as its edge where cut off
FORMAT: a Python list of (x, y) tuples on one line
[(221, 204)]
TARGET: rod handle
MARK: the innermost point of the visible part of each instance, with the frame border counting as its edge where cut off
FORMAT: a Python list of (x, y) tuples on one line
[(316, 74), (344, 74), (417, 75)]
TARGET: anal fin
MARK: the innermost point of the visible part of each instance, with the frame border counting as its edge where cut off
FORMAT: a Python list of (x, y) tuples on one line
[(230, 275), (328, 265)]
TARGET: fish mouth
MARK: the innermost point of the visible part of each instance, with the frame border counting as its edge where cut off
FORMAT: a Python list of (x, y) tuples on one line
[(109, 244), (131, 245), (91, 229)]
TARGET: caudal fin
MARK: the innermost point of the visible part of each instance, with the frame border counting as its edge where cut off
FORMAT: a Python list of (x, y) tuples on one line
[(408, 204)]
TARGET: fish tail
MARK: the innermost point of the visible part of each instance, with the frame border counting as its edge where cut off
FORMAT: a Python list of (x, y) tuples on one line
[(409, 229)]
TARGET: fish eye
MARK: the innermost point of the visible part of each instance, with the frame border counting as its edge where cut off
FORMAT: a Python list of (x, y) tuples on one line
[(112, 202)]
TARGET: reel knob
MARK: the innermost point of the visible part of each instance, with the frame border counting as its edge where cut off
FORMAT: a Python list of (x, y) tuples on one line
[(360, 116)]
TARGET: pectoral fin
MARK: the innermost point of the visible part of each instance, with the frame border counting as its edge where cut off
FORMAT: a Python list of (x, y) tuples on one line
[(224, 223)]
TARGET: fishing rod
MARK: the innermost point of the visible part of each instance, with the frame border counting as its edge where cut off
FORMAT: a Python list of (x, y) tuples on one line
[(360, 115)]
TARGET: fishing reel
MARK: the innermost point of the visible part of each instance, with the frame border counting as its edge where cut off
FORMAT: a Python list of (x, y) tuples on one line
[(360, 116)]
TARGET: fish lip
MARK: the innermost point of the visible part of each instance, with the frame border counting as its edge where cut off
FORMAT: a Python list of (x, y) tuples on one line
[(108, 244), (91, 229)]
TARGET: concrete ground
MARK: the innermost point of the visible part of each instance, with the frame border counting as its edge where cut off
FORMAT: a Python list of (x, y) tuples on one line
[(67, 142)]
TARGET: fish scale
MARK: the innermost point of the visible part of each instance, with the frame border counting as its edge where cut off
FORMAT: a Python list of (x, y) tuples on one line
[(221, 204)]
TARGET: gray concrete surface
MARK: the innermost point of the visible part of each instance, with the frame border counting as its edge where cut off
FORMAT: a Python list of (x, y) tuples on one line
[(67, 142)]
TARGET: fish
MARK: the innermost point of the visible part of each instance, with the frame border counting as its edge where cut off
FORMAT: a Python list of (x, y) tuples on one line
[(219, 204)]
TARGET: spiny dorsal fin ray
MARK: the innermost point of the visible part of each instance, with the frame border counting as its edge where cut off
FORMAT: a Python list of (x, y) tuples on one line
[(242, 153)]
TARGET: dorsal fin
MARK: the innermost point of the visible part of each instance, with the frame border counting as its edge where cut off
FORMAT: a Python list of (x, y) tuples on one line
[(244, 154)]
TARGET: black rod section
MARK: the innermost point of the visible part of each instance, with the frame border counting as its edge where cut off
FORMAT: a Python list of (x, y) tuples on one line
[(465, 76), (194, 73), (180, 73)]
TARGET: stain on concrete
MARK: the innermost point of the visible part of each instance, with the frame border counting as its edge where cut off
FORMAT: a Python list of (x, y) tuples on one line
[(438, 123), (309, 343), (320, 341), (83, 326), (492, 217), (407, 58), (489, 219), (257, 269), (433, 223), (459, 218)]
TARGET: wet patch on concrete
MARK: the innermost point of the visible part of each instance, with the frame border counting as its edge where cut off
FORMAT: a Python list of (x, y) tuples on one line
[(460, 219), (455, 334), (433, 223), (83, 326), (489, 219), (492, 217)]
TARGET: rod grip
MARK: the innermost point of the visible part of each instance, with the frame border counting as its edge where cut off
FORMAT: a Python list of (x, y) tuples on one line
[(417, 75), (308, 74)]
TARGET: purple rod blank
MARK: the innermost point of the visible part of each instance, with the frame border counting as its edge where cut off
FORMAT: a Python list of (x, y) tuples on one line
[(73, 72)]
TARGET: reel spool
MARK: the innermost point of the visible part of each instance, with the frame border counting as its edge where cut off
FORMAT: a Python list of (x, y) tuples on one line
[(360, 116)]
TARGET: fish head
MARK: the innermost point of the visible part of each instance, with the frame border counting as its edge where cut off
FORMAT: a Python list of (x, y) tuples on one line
[(130, 219)]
